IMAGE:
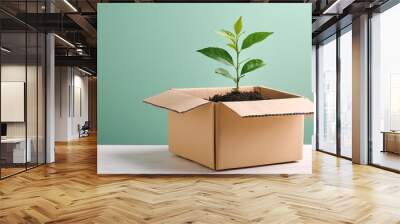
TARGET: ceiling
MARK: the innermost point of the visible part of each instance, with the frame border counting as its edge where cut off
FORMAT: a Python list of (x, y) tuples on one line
[(76, 21)]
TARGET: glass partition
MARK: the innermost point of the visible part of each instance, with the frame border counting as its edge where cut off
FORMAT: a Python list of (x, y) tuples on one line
[(385, 89), (334, 99), (22, 101), (346, 93), (327, 95), (14, 155)]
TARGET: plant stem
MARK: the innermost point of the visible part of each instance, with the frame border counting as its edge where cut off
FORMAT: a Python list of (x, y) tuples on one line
[(237, 65)]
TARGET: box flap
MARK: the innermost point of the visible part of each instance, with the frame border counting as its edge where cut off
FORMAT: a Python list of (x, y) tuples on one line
[(175, 100), (270, 93), (290, 106)]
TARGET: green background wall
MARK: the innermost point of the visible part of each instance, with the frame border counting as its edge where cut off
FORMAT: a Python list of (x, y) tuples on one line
[(144, 49)]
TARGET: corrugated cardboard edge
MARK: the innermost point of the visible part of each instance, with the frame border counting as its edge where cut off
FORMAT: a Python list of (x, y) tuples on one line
[(205, 93), (175, 100), (263, 88), (273, 107)]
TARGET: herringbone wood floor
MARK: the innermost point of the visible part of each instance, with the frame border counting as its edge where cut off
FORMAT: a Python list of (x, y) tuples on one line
[(69, 191)]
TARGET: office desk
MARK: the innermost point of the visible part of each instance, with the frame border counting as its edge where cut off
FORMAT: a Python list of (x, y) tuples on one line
[(13, 150), (391, 141)]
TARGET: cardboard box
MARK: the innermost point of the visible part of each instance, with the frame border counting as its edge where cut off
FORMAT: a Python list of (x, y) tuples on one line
[(227, 135)]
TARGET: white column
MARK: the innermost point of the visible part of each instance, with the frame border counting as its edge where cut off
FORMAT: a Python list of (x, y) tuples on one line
[(50, 99), (360, 90), (50, 92)]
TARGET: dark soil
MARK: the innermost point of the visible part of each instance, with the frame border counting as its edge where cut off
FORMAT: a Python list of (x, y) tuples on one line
[(237, 96)]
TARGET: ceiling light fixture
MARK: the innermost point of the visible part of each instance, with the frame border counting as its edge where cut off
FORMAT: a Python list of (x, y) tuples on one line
[(79, 51), (5, 50), (64, 40), (337, 7), (84, 71), (70, 5)]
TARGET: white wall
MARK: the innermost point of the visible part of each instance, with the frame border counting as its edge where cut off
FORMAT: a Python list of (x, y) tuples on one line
[(70, 83), (15, 72), (34, 126), (62, 83), (79, 117)]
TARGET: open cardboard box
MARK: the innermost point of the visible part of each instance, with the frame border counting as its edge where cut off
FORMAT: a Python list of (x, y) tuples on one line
[(227, 135)]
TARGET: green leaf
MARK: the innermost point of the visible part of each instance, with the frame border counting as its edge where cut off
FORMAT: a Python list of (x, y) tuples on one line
[(255, 38), (228, 35), (238, 26), (224, 73), (218, 54), (252, 65), (233, 46)]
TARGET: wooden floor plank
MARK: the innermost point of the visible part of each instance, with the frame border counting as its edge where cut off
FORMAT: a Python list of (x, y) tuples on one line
[(70, 191)]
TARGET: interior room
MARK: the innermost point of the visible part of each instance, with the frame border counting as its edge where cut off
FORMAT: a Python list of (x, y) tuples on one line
[(214, 111), (22, 103), (72, 103), (385, 90)]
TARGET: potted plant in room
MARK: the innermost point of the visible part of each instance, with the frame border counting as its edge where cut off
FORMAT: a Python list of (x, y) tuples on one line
[(241, 68)]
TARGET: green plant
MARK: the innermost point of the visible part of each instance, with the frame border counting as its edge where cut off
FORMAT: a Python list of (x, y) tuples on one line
[(223, 56)]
